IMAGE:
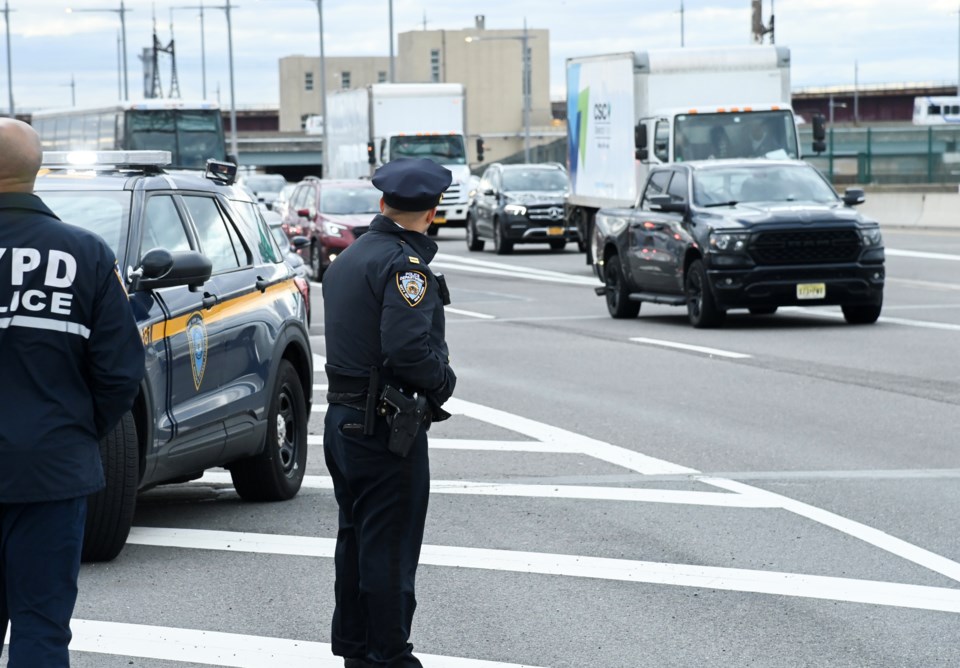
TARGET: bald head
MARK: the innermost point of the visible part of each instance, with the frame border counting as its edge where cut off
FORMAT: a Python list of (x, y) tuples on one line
[(20, 156)]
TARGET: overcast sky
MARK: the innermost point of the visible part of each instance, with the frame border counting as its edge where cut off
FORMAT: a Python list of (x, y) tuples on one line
[(894, 41)]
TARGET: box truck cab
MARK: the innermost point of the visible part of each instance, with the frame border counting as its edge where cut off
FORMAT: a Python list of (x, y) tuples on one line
[(628, 111), (373, 125)]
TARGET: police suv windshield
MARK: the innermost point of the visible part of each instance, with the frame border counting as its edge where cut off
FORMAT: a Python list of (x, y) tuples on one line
[(105, 213), (725, 186)]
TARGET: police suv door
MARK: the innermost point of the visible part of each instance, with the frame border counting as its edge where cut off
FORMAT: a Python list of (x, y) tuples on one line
[(188, 432)]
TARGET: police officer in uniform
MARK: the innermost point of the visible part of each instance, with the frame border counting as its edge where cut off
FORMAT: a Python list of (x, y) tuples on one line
[(389, 373), (71, 360)]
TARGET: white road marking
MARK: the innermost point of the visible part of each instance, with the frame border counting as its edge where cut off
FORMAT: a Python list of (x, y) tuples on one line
[(581, 492), (318, 407), (472, 314), (318, 362), (907, 322), (623, 570), (320, 388), (497, 269), (922, 255), (697, 349), (923, 284), (213, 648)]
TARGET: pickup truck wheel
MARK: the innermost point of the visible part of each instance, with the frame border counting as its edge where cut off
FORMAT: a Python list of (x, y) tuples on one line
[(618, 299), (110, 511), (861, 314), (558, 244), (277, 473), (500, 245), (474, 243), (701, 308), (763, 310)]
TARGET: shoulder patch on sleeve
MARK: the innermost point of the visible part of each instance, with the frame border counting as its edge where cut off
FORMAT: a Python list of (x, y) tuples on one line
[(412, 285)]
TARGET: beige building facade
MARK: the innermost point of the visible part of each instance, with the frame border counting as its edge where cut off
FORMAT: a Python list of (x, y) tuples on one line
[(300, 83), (490, 66)]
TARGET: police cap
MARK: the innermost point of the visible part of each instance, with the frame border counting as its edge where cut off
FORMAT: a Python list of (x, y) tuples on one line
[(412, 184)]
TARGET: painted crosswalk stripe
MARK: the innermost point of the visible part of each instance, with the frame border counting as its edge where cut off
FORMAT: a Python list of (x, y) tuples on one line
[(623, 570), (580, 492), (213, 648), (471, 314)]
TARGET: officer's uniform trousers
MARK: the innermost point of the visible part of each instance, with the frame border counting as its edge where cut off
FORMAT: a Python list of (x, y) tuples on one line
[(40, 547), (383, 507)]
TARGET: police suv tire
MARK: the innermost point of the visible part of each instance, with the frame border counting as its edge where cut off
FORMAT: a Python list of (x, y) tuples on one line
[(702, 310), (110, 511), (861, 314), (618, 297), (500, 245), (474, 243), (558, 244), (277, 473)]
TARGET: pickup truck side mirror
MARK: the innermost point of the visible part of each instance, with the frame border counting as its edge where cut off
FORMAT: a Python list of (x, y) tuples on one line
[(667, 204), (854, 196), (489, 192), (642, 152)]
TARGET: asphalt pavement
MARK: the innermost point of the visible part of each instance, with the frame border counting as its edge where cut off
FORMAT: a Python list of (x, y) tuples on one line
[(779, 492)]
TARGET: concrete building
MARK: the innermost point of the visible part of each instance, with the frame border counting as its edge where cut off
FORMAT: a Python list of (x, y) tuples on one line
[(300, 83), (490, 66)]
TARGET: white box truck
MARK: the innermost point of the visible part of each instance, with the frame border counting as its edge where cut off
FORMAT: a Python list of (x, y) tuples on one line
[(626, 111), (370, 126)]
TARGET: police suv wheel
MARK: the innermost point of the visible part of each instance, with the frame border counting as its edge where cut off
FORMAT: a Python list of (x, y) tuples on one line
[(110, 511), (277, 473)]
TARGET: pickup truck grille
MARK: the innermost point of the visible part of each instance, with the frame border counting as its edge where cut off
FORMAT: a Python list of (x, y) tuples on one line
[(805, 246)]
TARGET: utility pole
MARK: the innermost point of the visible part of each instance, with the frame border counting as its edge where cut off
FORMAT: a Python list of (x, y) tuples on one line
[(391, 42), (6, 20), (681, 24)]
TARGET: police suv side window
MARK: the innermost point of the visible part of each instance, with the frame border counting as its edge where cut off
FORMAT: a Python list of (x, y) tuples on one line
[(657, 185), (216, 241), (678, 187), (162, 226), (257, 230)]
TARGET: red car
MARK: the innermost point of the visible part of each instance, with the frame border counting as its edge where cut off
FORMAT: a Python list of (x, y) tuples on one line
[(331, 213)]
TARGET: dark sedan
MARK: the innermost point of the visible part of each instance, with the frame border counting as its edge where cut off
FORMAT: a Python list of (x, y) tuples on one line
[(745, 234)]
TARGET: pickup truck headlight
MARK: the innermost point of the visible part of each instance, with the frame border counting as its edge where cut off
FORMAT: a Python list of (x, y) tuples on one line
[(729, 242), (333, 229), (871, 237), (515, 209)]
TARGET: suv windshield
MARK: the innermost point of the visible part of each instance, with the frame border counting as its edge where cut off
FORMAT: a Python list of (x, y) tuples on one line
[(347, 201), (548, 180), (760, 183), (443, 149), (104, 213)]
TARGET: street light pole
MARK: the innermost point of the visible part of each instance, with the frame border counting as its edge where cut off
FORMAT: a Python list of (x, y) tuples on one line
[(203, 46), (123, 38), (323, 82), (391, 41), (233, 99), (6, 20)]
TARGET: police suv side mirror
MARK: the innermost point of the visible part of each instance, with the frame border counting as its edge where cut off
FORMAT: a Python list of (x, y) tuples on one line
[(188, 268)]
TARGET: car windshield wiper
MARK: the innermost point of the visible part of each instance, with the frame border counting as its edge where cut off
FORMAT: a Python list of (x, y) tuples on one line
[(713, 204)]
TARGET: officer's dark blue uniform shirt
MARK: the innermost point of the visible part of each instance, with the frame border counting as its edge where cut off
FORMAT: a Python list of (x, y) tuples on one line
[(383, 308), (71, 356)]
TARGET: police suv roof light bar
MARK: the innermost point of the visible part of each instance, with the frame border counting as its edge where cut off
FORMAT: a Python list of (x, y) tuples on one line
[(105, 160)]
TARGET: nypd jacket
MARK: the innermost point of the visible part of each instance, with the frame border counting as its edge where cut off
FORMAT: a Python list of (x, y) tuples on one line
[(71, 357), (383, 308)]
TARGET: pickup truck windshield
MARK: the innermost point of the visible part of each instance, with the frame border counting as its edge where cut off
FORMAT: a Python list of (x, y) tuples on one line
[(443, 149), (755, 134), (727, 186)]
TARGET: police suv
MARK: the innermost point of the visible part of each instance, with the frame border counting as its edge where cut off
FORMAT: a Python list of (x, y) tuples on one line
[(223, 319)]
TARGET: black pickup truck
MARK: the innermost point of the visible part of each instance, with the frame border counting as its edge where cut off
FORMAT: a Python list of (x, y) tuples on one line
[(740, 234)]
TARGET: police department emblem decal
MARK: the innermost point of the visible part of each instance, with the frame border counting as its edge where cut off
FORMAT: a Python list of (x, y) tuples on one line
[(412, 285), (197, 338)]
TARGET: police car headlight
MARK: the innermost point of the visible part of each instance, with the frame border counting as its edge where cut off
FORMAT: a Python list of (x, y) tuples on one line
[(333, 229), (515, 209), (729, 242), (871, 237)]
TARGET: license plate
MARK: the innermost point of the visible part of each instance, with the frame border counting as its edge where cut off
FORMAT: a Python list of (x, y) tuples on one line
[(811, 291), (555, 231), (439, 220)]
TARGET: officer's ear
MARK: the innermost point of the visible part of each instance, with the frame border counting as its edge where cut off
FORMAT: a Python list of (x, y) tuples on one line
[(382, 204), (431, 214)]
